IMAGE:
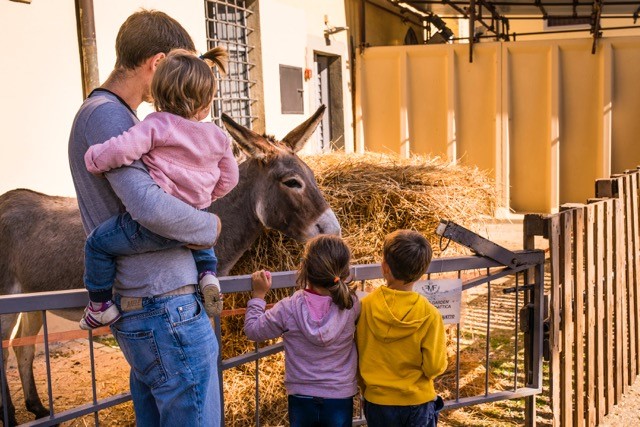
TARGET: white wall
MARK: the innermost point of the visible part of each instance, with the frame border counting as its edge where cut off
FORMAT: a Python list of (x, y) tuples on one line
[(293, 44), (40, 88), (41, 84)]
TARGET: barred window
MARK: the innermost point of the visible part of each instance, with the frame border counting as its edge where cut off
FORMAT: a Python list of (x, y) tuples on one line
[(227, 26)]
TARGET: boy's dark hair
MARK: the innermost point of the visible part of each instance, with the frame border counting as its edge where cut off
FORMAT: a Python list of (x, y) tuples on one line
[(147, 33), (408, 254)]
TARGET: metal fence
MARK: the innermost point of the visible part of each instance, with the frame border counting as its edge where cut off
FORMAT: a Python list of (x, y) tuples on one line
[(493, 264)]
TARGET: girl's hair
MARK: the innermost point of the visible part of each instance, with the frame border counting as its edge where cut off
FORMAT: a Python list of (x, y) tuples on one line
[(325, 263), (185, 84)]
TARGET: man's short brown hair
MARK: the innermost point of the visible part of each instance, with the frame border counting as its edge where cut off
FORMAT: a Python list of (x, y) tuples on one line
[(147, 33), (408, 254)]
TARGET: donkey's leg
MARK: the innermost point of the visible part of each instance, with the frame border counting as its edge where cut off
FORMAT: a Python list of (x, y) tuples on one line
[(29, 325), (8, 323)]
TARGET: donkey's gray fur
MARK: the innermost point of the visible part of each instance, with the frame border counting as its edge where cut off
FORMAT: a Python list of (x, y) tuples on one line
[(42, 239)]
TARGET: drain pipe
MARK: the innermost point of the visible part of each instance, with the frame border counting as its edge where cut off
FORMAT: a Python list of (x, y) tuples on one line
[(87, 43)]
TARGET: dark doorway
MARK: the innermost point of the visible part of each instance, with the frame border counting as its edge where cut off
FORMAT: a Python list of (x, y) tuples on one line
[(329, 93)]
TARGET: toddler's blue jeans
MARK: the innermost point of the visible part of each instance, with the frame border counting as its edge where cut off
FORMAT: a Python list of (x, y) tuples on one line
[(120, 236)]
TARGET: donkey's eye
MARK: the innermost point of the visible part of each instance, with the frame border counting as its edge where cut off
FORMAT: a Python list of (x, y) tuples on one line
[(292, 183)]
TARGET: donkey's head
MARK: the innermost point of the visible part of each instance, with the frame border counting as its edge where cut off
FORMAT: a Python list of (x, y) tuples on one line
[(284, 192)]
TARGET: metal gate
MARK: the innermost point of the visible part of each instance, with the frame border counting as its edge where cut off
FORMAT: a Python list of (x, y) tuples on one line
[(491, 264)]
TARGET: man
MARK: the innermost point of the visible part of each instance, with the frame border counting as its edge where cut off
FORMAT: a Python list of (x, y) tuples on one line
[(164, 333)]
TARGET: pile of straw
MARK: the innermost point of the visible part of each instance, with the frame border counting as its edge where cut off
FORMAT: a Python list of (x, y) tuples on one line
[(372, 195)]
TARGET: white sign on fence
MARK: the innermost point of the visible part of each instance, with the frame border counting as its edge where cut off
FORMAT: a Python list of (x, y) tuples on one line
[(444, 294)]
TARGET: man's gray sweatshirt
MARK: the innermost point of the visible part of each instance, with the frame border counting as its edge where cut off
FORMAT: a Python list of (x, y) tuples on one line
[(102, 116)]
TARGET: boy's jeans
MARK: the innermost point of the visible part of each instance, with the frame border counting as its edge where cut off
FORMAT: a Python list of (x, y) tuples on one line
[(424, 415), (119, 236), (308, 411), (173, 353)]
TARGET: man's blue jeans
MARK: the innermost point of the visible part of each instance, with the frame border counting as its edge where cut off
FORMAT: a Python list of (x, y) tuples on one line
[(120, 236), (424, 415), (308, 411), (173, 353)]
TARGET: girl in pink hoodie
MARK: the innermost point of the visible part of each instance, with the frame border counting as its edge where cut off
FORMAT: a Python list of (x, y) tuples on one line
[(187, 158), (317, 324)]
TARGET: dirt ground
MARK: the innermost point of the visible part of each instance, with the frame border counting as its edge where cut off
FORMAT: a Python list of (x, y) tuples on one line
[(70, 359)]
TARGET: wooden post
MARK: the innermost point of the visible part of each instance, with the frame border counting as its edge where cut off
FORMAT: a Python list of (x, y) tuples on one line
[(609, 304), (592, 355), (579, 288), (554, 314), (609, 188), (599, 301), (631, 300), (566, 289), (635, 264)]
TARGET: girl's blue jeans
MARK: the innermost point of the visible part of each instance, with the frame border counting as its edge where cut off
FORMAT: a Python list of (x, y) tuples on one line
[(120, 236), (308, 411), (173, 353)]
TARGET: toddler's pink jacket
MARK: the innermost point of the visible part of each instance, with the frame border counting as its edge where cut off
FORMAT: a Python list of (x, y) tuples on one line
[(190, 160)]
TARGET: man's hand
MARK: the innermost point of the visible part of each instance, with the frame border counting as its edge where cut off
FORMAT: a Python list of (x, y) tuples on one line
[(199, 247), (260, 284)]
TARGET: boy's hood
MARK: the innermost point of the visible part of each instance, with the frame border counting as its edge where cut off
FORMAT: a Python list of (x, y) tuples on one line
[(322, 331), (394, 314)]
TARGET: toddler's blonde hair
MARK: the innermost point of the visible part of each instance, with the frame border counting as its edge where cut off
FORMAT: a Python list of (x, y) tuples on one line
[(184, 84)]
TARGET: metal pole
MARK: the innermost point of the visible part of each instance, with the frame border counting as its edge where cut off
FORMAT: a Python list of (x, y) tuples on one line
[(218, 332), (488, 339), (94, 390), (47, 356), (5, 385), (88, 48), (472, 24)]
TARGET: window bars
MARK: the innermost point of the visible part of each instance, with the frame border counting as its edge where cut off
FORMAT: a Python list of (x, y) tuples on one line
[(227, 25)]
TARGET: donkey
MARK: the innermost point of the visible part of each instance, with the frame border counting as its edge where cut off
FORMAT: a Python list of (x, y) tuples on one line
[(42, 239)]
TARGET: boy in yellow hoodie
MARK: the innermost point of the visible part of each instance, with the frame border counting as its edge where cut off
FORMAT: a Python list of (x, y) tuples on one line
[(400, 339)]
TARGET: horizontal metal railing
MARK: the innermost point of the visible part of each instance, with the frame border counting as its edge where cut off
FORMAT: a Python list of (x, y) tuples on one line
[(482, 269)]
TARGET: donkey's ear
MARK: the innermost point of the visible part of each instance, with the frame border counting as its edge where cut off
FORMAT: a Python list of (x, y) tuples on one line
[(250, 142), (297, 137)]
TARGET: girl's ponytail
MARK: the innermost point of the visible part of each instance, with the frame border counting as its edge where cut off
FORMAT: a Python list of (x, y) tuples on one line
[(217, 56), (342, 294), (325, 263)]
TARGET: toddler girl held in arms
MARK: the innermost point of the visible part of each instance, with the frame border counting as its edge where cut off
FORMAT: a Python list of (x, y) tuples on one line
[(187, 158)]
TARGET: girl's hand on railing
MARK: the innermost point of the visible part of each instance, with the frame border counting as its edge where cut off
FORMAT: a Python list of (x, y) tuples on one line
[(260, 283)]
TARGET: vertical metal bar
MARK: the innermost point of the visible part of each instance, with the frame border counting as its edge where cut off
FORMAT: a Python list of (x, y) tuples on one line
[(257, 412), (515, 355), (93, 377), (5, 385), (218, 331), (488, 338), (458, 353), (47, 360), (472, 24)]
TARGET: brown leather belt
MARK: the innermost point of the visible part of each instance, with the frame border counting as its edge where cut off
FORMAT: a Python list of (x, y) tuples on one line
[(135, 303)]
